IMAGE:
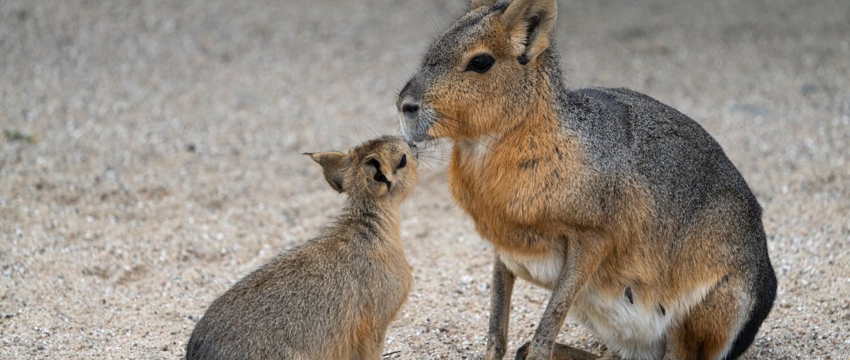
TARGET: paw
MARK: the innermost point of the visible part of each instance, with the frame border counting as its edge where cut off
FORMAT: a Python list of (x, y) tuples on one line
[(608, 355), (522, 352), (495, 352)]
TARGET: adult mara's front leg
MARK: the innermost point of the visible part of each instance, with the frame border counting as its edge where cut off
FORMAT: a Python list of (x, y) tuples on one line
[(500, 309), (582, 260)]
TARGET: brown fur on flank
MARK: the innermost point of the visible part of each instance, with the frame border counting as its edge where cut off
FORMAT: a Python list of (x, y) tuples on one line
[(334, 297), (625, 208)]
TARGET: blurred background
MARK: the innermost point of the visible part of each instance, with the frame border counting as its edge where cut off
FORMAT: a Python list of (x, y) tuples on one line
[(150, 156)]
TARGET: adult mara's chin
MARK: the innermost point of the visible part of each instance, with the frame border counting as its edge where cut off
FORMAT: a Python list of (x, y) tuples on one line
[(415, 129), (417, 138)]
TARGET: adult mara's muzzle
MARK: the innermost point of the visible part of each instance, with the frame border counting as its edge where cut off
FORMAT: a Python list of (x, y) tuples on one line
[(414, 115)]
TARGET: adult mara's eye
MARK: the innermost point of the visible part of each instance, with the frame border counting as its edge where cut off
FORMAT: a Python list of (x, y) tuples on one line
[(403, 162), (480, 63)]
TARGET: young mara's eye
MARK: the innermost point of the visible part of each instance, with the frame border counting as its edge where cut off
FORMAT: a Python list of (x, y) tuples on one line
[(403, 162), (480, 63)]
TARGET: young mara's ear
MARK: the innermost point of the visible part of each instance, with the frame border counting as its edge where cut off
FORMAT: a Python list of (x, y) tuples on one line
[(334, 164), (479, 3), (530, 23), (376, 181)]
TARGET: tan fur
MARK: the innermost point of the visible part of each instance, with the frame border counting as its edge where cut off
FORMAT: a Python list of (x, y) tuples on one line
[(334, 297), (579, 192), (701, 335)]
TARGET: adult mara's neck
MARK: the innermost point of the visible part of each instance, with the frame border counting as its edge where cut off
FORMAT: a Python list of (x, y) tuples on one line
[(541, 111), (535, 120)]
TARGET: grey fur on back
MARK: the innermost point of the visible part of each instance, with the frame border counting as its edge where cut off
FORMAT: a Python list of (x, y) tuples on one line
[(687, 170), (629, 132), (675, 155)]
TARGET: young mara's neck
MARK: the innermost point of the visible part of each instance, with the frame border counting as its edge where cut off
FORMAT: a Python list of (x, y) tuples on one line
[(371, 212)]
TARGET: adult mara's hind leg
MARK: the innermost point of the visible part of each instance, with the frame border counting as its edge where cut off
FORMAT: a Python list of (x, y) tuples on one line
[(710, 328), (561, 352)]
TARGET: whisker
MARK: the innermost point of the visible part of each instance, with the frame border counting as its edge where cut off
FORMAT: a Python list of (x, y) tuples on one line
[(435, 28), (372, 130), (357, 132), (434, 151), (429, 165), (462, 125)]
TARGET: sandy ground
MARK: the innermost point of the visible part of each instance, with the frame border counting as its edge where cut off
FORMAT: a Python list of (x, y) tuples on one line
[(152, 157)]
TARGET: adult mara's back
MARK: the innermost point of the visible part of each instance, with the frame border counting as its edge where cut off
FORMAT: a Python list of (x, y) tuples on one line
[(625, 208)]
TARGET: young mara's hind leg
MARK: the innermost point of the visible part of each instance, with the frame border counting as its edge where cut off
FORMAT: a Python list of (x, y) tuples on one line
[(708, 331), (371, 348)]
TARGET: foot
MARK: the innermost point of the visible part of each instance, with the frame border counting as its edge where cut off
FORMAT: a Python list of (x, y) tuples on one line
[(560, 352)]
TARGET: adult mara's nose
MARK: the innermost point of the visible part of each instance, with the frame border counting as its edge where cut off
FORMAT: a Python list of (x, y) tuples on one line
[(410, 109), (409, 100)]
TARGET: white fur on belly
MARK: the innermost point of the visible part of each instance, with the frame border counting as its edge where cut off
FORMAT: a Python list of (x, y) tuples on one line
[(542, 270), (633, 331)]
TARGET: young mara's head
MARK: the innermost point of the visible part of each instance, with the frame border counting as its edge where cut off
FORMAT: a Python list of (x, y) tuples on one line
[(383, 168), (481, 74)]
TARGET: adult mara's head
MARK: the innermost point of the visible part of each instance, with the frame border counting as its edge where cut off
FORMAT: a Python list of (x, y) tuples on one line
[(488, 71)]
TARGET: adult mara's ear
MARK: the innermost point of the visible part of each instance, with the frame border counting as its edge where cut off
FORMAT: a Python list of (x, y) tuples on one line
[(530, 24), (479, 3), (334, 164)]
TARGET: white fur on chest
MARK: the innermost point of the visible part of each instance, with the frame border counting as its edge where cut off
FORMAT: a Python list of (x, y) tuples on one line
[(474, 152)]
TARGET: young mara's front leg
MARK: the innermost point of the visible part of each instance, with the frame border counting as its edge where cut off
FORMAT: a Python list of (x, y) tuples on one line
[(583, 258), (500, 309)]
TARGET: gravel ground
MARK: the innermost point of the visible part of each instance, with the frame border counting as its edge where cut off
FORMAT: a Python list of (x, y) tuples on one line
[(151, 157)]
